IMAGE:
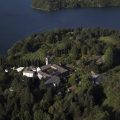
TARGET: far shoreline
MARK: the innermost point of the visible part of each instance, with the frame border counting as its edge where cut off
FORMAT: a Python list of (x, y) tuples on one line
[(65, 8)]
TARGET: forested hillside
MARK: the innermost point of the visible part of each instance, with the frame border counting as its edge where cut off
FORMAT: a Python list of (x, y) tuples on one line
[(83, 50), (58, 4), (95, 48)]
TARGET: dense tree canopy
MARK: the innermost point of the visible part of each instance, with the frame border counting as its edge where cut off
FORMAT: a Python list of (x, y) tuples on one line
[(93, 49), (84, 50), (58, 4)]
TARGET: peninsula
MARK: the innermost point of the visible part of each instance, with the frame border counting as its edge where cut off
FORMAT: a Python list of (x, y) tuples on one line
[(64, 74), (49, 5)]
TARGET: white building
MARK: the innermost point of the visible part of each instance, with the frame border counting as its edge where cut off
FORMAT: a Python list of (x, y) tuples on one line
[(20, 69), (38, 69), (29, 74), (11, 89), (6, 70)]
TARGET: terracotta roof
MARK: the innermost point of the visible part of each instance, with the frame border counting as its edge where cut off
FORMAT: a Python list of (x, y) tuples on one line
[(72, 88)]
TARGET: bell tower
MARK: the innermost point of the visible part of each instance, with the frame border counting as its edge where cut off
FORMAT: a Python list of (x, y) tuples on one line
[(46, 60)]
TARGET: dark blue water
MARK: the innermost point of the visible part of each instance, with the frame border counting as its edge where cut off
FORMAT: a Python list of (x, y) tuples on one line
[(18, 20)]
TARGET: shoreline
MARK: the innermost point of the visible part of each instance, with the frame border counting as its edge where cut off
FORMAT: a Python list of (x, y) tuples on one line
[(47, 10), (35, 8)]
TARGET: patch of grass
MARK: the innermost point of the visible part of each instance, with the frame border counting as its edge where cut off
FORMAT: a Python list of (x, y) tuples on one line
[(109, 40)]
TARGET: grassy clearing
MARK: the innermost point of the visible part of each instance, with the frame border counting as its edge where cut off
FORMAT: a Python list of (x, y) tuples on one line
[(109, 40)]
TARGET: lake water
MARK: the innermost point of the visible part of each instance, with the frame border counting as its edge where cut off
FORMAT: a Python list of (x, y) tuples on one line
[(18, 20)]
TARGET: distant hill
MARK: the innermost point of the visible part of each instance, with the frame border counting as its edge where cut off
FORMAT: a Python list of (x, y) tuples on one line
[(59, 4)]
